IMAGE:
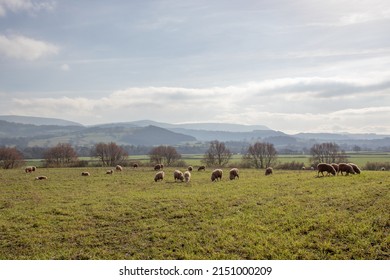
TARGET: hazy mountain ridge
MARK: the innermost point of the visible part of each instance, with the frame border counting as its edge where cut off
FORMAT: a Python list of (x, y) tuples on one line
[(151, 133)]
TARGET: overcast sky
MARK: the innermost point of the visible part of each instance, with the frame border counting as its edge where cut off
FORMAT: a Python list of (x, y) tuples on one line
[(294, 66)]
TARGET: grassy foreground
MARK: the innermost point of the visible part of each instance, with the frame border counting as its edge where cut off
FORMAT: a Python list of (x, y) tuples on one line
[(288, 215)]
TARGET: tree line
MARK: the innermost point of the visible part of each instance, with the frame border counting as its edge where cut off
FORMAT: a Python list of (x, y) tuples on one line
[(258, 155)]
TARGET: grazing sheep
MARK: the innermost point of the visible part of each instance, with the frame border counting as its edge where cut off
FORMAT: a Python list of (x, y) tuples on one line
[(355, 168), (41, 178), (159, 176), (233, 173), (325, 167), (202, 168), (110, 171), (135, 165), (336, 167), (30, 169), (383, 169), (187, 176), (344, 167), (303, 168), (178, 175), (157, 167), (190, 168), (118, 168), (85, 174), (161, 165), (268, 171), (216, 174)]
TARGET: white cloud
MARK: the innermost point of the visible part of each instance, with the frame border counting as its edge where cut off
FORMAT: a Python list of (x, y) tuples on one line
[(65, 67), (24, 5), (289, 105), (21, 47)]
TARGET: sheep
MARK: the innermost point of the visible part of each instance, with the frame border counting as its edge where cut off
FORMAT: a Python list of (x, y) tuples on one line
[(85, 174), (187, 176), (325, 167), (178, 175), (216, 174), (157, 167), (268, 171), (355, 168), (30, 169), (233, 173), (383, 169), (202, 168), (336, 167), (189, 168), (159, 176), (303, 168), (118, 168), (41, 178), (344, 167), (135, 165), (109, 171)]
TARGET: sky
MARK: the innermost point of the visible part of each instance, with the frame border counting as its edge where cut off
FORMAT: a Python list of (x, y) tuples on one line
[(293, 66)]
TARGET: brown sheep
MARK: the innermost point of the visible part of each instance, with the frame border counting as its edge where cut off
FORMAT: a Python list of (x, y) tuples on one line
[(336, 167), (110, 171), (157, 167), (202, 168), (85, 174), (216, 174), (187, 176), (233, 173), (178, 175), (30, 169), (135, 165), (355, 168), (41, 178), (383, 169), (344, 167), (118, 168), (159, 176), (325, 167), (268, 171), (189, 168)]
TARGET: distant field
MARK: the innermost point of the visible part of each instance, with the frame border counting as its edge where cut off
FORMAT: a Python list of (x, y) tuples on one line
[(288, 215)]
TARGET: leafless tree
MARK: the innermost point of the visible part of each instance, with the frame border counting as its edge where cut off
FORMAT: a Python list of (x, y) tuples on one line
[(164, 154), (327, 153), (261, 155), (61, 155), (110, 154), (217, 154), (10, 157)]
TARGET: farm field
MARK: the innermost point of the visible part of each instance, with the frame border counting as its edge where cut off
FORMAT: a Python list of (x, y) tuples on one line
[(288, 215)]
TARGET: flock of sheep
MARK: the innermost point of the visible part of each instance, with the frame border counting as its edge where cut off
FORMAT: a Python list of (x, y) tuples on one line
[(334, 169)]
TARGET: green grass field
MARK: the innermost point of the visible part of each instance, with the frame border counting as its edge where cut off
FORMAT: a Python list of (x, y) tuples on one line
[(288, 215)]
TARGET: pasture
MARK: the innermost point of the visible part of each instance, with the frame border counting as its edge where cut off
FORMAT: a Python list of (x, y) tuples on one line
[(288, 215)]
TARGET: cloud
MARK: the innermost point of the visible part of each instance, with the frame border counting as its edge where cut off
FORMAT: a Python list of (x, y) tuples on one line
[(65, 67), (290, 105), (21, 47), (24, 5)]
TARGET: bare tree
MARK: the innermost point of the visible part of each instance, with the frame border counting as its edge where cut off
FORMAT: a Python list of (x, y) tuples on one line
[(61, 155), (110, 153), (261, 155), (10, 157), (327, 153), (217, 154), (164, 154)]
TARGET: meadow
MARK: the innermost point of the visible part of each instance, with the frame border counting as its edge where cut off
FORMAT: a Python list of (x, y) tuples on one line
[(289, 215)]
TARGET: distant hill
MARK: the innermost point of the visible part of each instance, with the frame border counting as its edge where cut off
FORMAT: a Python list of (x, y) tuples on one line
[(33, 131), (228, 127), (37, 120)]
